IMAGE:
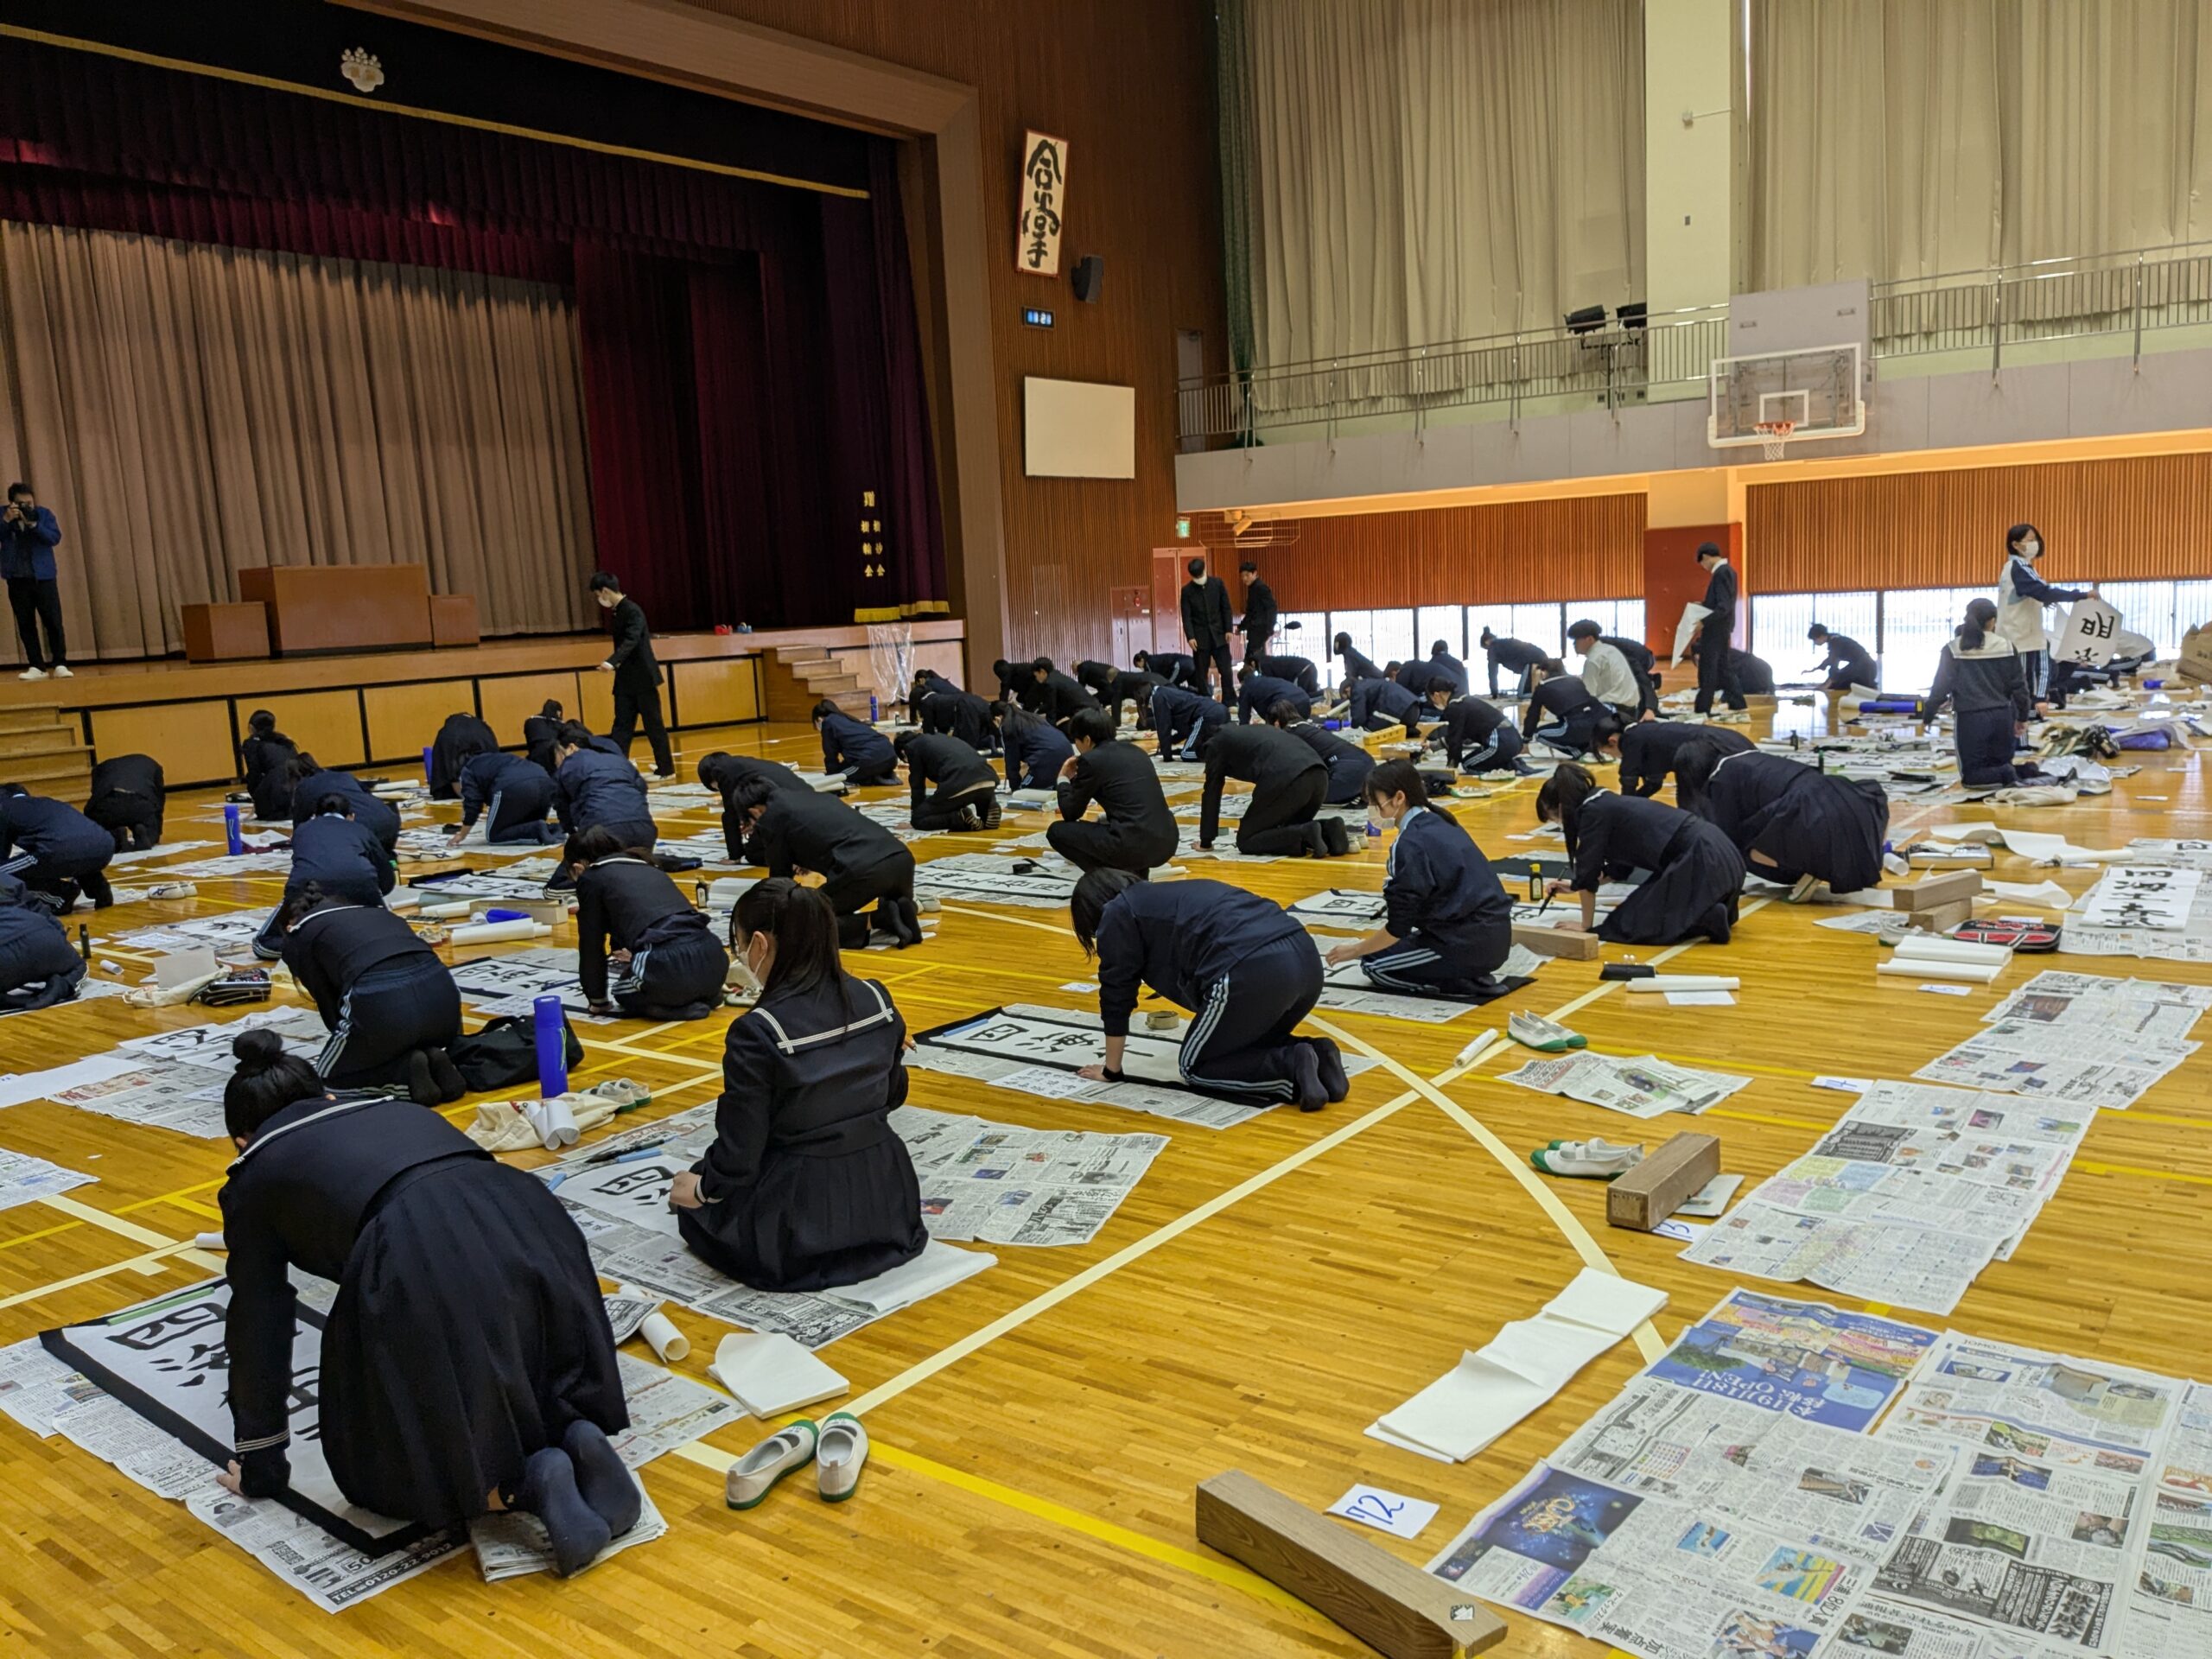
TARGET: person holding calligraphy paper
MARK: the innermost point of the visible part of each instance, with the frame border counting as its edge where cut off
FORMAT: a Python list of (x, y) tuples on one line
[(1696, 875), (2021, 596), (466, 1364)]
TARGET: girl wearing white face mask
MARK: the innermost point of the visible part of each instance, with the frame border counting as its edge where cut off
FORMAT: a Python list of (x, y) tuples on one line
[(2021, 596), (806, 1186)]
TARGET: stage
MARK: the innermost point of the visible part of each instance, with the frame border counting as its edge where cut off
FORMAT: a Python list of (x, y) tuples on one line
[(382, 707)]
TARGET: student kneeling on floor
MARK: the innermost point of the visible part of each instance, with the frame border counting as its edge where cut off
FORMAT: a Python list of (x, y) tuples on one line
[(390, 1005), (806, 1186), (39, 967), (55, 850), (1447, 922), (1241, 965), (341, 857), (466, 1364), (667, 964)]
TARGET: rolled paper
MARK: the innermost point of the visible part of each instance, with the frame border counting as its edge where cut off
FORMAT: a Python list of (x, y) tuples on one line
[(1911, 968), (1932, 947), (555, 1121), (1483, 1040), (550, 1026), (208, 1242), (445, 912), (490, 932), (1686, 982), (662, 1337)]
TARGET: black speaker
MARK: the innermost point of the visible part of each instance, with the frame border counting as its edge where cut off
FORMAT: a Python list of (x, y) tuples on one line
[(1089, 277)]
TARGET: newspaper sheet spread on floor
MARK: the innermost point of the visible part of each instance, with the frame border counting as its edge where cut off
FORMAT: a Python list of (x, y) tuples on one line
[(169, 1079), (1732, 1502), (2077, 1040), (45, 1395), (1645, 1087), (616, 1191), (512, 984), (2157, 905), (1001, 1184), (992, 879)]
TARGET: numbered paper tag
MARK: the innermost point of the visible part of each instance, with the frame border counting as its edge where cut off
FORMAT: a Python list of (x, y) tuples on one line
[(1401, 1518)]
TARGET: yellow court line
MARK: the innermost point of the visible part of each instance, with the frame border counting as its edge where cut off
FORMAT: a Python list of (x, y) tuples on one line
[(2154, 1117), (2140, 1174), (182, 1193), (1763, 1117), (130, 1230), (43, 1232), (149, 1263)]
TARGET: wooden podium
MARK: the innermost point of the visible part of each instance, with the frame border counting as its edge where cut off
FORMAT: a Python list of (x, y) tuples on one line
[(318, 609)]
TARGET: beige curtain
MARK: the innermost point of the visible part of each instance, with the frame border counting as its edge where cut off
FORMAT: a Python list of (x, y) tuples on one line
[(1420, 171), (1896, 138), (189, 410)]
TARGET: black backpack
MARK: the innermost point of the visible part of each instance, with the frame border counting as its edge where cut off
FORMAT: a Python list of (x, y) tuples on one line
[(504, 1052)]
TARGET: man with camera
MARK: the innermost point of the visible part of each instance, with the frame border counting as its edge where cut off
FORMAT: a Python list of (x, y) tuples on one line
[(29, 536)]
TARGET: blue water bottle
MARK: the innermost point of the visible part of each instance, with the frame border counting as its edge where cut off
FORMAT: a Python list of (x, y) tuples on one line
[(426, 763), (871, 708), (552, 1050), (230, 829)]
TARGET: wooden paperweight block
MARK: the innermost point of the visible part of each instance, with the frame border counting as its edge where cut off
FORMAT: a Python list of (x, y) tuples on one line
[(1655, 1189)]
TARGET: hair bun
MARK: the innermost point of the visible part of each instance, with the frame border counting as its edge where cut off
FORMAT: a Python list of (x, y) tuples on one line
[(257, 1051)]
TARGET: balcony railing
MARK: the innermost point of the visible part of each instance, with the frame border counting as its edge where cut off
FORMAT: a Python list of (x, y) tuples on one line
[(2130, 294)]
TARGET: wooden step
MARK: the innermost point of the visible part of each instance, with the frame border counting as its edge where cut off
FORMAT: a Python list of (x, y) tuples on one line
[(33, 717), (38, 742), (62, 770), (796, 680)]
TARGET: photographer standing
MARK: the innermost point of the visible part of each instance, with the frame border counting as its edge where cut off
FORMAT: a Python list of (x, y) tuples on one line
[(29, 536)]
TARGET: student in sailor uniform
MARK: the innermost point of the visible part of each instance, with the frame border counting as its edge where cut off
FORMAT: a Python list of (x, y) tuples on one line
[(1696, 875), (39, 967), (1447, 922), (1379, 704), (860, 863), (1793, 824), (1136, 832), (966, 795), (1475, 734), (53, 849), (1646, 750), (312, 785), (2021, 596), (1185, 722), (461, 737), (1243, 967), (719, 772), (340, 856), (1979, 674), (1033, 750), (466, 1364), (516, 792), (667, 965), (1358, 665), (260, 751), (1263, 691), (1349, 764), (854, 748), (128, 799), (389, 1003), (806, 1186)]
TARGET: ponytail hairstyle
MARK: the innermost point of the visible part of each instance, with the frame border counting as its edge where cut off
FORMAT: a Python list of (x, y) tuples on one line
[(1559, 801), (1087, 904), (803, 925), (333, 802), (261, 723), (1693, 765), (823, 710), (589, 846), (1012, 717), (1974, 632), (299, 905), (267, 1080)]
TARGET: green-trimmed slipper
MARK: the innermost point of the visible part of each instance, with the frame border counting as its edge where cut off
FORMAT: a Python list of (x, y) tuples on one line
[(753, 1476), (841, 1456)]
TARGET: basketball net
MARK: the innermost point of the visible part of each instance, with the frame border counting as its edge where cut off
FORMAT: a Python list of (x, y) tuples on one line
[(1774, 436)]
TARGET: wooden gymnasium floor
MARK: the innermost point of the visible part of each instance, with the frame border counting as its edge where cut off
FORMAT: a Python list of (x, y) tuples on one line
[(1262, 1296)]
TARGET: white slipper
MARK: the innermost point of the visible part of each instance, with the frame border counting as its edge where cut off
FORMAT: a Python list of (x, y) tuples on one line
[(1563, 1160), (841, 1455), (754, 1475), (624, 1093)]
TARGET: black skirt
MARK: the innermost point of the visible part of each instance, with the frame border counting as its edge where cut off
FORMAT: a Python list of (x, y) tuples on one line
[(1693, 892), (1832, 827), (468, 1334), (815, 1221)]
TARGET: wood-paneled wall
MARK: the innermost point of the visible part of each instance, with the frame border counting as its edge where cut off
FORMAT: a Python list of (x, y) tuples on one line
[(2142, 518), (1129, 84), (1585, 547)]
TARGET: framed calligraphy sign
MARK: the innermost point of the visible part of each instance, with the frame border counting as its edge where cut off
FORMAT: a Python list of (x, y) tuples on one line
[(1043, 203)]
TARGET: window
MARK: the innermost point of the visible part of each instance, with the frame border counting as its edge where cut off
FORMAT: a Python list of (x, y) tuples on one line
[(1445, 622), (1385, 636), (1779, 621), (1541, 625), (1621, 619), (1303, 633), (1917, 623)]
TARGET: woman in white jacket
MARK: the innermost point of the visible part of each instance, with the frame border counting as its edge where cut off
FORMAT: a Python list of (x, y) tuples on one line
[(2021, 596)]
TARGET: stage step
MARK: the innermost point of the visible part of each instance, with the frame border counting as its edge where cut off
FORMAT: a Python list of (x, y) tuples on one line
[(33, 717), (797, 680), (62, 768)]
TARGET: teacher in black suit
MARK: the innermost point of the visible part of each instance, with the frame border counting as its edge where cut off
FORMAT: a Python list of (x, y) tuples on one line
[(637, 674), (1206, 624)]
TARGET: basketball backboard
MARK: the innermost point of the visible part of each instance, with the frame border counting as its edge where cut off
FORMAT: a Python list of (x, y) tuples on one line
[(1813, 393)]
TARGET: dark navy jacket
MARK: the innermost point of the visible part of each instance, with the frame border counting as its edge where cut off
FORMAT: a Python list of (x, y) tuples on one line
[(1445, 664), (28, 549), (632, 904), (344, 855), (1647, 751), (1063, 696), (1616, 833), (127, 800), (1561, 698), (1438, 884), (1299, 670), (1847, 658), (1720, 604), (461, 736), (1260, 692), (381, 816), (54, 831), (1420, 674), (1358, 665), (945, 710), (1034, 749), (329, 948), (1180, 938), (853, 745), (1176, 667), (1380, 697), (513, 776), (1517, 657), (1177, 712), (817, 832), (594, 787), (1348, 763), (946, 762), (34, 947), (1120, 777)]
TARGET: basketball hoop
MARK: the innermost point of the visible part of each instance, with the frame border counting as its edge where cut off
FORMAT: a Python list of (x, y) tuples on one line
[(1774, 436)]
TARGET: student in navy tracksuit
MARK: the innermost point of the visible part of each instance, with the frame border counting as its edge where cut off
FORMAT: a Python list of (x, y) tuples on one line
[(1696, 875), (667, 965), (1517, 657), (1846, 663), (1348, 763), (390, 1004), (1185, 721), (1289, 784), (1475, 734), (1172, 667), (806, 1186), (1979, 674), (128, 799), (53, 849), (1299, 670), (381, 816), (1442, 662), (594, 786), (1358, 665), (1792, 823), (854, 748), (860, 863), (1032, 749), (1648, 750), (341, 856), (462, 738), (1244, 968), (39, 967), (1263, 691), (1378, 704), (1418, 674), (966, 791), (514, 789), (720, 771), (1561, 711), (1136, 832), (1447, 922)]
